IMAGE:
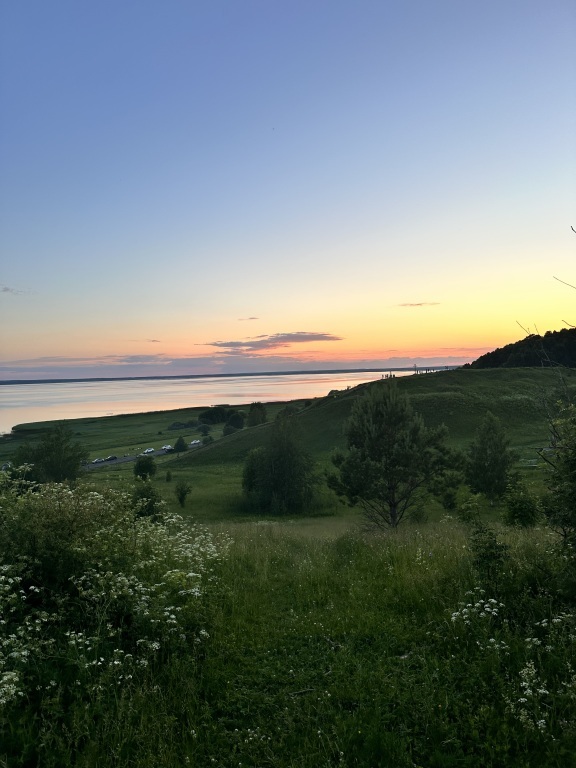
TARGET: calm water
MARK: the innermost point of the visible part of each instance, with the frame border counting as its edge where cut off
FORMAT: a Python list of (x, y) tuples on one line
[(23, 403)]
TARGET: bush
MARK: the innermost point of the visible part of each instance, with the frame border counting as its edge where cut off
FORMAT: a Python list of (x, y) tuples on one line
[(522, 509), (182, 490), (235, 419), (56, 458), (91, 600), (146, 501)]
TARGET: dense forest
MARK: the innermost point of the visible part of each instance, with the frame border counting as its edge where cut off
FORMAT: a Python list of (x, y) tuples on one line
[(553, 348)]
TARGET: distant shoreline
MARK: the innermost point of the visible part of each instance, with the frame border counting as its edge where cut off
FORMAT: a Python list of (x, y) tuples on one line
[(381, 369)]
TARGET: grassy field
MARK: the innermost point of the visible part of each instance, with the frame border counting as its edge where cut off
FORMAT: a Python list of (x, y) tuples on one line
[(311, 645)]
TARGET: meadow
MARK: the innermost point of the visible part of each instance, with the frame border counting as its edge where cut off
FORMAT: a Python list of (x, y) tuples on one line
[(220, 638)]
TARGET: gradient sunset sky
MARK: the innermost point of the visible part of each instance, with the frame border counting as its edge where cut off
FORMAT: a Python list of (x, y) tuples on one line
[(262, 185)]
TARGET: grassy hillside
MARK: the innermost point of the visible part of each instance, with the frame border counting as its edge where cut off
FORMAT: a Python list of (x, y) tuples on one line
[(433, 646), (457, 398)]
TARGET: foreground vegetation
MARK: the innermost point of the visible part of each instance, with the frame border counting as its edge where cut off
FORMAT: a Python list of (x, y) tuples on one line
[(133, 637), (435, 646)]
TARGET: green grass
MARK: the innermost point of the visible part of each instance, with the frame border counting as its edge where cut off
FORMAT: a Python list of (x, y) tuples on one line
[(389, 651)]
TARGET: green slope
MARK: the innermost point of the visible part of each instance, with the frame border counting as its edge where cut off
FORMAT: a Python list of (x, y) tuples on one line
[(458, 398)]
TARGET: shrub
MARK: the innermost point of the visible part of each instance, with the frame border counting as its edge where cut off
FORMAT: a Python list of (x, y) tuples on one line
[(56, 458), (91, 598), (522, 509), (146, 501), (182, 490)]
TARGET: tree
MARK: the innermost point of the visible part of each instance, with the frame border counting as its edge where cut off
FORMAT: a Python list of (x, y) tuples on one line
[(257, 415), (235, 419), (392, 457), (180, 445), (145, 467), (489, 460), (559, 503), (182, 490), (280, 478), (217, 414), (56, 458)]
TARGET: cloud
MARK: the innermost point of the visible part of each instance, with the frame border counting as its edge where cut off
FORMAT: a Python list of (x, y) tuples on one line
[(248, 318), (420, 304), (7, 289), (275, 341), (153, 341)]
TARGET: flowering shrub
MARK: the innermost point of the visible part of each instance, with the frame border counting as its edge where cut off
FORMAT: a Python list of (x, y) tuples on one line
[(91, 594)]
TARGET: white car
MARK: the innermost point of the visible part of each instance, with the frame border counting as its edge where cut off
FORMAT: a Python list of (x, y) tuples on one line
[(148, 450), (166, 447), (196, 442)]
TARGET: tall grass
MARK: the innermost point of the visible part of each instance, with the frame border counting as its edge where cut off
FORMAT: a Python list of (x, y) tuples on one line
[(387, 651), (427, 647)]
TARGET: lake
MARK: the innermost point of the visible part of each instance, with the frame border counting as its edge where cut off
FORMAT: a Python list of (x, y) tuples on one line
[(24, 403)]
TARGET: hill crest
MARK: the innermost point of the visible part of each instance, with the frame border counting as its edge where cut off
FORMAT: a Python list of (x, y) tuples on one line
[(554, 348)]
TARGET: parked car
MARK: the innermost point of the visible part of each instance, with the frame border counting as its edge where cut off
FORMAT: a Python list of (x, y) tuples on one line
[(111, 458), (149, 450), (167, 448), (97, 461), (196, 442)]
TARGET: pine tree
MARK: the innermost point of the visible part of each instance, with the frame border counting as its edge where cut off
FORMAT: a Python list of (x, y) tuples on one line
[(490, 460), (392, 457)]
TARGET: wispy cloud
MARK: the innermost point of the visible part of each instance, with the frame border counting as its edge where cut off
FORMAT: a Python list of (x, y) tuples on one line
[(420, 304), (248, 318), (153, 341), (8, 289), (275, 341)]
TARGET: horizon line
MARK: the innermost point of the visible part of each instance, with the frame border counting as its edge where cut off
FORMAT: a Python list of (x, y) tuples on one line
[(316, 371)]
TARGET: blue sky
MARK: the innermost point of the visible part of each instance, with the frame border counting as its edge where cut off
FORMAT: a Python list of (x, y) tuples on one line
[(201, 187)]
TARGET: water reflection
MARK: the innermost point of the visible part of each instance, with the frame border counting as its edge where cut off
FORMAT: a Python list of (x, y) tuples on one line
[(23, 403)]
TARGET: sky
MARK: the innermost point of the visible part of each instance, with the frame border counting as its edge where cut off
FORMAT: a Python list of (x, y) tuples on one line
[(232, 186)]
